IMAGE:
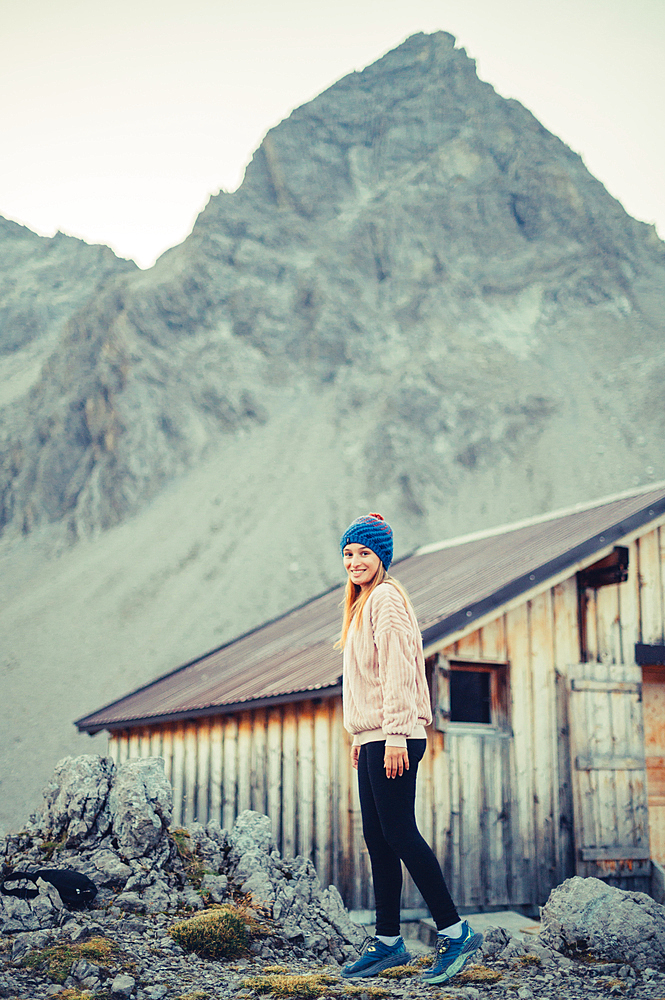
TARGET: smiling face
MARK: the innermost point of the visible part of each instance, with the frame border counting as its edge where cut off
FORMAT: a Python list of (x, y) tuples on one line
[(360, 563)]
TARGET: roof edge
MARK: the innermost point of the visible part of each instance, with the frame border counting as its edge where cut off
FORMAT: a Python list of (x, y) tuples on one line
[(211, 711), (505, 529)]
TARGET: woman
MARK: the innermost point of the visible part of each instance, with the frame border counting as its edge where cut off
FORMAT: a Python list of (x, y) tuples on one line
[(386, 708)]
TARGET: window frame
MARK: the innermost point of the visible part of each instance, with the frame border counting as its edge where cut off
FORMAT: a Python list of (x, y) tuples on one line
[(441, 666)]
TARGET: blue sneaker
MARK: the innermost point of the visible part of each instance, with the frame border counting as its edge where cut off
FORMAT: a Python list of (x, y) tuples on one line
[(451, 954), (376, 957)]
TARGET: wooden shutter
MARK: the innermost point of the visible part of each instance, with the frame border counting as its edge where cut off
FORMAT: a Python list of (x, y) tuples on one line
[(609, 774)]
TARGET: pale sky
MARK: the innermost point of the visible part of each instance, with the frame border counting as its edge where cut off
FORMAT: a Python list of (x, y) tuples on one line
[(118, 118)]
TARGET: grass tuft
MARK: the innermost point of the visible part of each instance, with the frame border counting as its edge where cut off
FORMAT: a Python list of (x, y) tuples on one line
[(50, 847), (529, 959), (358, 989), (220, 932), (478, 974), (400, 972), (193, 865), (307, 985)]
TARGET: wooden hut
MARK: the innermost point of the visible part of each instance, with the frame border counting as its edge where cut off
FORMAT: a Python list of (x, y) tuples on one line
[(545, 646)]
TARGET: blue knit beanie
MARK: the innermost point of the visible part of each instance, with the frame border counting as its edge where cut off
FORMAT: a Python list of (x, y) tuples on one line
[(371, 530)]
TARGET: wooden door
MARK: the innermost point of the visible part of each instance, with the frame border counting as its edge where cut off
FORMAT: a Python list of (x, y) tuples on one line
[(609, 774), (653, 692)]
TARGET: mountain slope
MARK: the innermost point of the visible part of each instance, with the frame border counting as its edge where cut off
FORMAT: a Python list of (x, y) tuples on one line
[(409, 239)]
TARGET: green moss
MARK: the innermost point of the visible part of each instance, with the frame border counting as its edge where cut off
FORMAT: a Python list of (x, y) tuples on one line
[(50, 847), (57, 960)]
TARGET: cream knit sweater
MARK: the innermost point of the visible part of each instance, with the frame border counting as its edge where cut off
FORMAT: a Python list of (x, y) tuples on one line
[(385, 691)]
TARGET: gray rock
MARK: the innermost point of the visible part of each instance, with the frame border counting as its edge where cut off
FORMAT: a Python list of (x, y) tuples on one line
[(208, 849), (217, 833), (495, 939), (19, 915), (123, 985), (130, 902), (140, 803), (190, 897), (113, 870), (252, 832), (260, 888), (83, 970), (586, 914), (514, 949), (215, 886), (158, 897), (75, 800), (545, 954), (22, 944)]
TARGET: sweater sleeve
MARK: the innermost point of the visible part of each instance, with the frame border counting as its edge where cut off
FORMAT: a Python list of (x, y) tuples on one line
[(394, 640)]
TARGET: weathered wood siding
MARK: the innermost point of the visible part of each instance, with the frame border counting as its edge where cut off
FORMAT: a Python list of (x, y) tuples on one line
[(495, 803)]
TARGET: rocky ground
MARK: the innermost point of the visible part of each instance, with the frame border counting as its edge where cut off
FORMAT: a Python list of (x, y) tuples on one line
[(150, 966), (112, 825)]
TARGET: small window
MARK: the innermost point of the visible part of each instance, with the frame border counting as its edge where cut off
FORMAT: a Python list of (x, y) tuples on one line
[(470, 696), (471, 693)]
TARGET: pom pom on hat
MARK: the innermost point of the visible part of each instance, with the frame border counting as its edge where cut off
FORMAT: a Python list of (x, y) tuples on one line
[(371, 530)]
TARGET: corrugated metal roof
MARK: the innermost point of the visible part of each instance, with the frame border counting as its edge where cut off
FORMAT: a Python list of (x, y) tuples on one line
[(451, 586)]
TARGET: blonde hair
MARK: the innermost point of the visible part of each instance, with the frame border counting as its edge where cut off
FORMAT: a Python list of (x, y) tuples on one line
[(355, 599)]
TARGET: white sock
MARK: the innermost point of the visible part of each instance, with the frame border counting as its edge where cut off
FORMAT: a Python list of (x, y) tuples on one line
[(390, 941), (454, 931)]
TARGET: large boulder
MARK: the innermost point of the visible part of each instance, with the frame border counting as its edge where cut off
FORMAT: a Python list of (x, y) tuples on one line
[(140, 803), (585, 914), (76, 800)]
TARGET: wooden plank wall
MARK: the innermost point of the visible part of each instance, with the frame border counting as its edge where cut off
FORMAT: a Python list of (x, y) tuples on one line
[(511, 805), (620, 615)]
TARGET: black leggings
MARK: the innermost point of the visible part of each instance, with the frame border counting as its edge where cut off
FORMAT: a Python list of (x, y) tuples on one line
[(391, 834)]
